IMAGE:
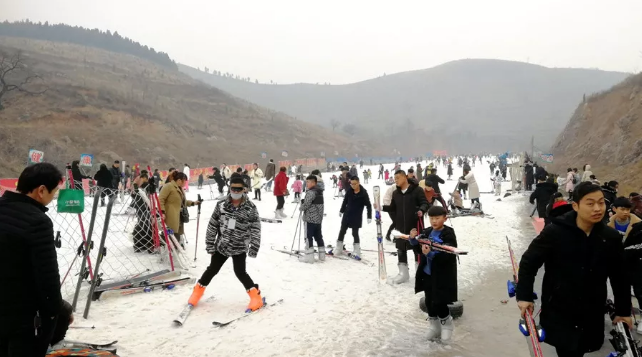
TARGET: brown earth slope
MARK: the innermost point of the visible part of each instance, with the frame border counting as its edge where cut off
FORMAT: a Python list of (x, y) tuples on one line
[(117, 106), (606, 132)]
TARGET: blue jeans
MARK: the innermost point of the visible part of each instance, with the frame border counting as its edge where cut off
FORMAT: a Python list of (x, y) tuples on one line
[(314, 232)]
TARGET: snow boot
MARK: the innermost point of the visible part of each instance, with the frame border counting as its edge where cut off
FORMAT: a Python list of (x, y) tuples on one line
[(197, 294), (308, 256), (277, 215), (256, 301), (447, 328), (356, 250), (338, 250), (403, 276), (282, 214), (322, 254), (434, 328)]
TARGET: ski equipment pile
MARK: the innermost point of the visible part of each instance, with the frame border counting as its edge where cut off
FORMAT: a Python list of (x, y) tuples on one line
[(380, 253), (247, 313), (527, 326), (163, 285)]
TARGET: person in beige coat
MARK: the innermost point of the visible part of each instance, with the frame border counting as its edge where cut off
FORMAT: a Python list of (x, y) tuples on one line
[(256, 175), (172, 200)]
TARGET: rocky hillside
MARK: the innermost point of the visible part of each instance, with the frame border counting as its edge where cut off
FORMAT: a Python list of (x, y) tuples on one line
[(460, 106), (118, 106), (606, 132)]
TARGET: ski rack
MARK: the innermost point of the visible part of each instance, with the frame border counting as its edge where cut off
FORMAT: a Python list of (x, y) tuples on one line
[(527, 326), (621, 338)]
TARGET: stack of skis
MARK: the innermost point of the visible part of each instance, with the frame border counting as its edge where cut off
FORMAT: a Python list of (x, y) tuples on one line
[(162, 280)]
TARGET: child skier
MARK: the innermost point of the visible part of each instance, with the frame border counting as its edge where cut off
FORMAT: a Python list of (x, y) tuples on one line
[(297, 187), (437, 274), (234, 231), (497, 183), (623, 220), (312, 208)]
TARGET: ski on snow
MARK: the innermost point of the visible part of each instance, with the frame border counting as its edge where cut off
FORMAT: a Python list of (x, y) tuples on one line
[(270, 220), (81, 344), (163, 285), (380, 252), (247, 313), (180, 319)]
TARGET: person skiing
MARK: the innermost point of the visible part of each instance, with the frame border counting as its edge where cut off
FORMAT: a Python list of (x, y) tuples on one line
[(220, 181), (257, 175), (574, 285), (354, 201), (312, 207), (408, 204), (381, 172), (542, 194), (437, 274), (497, 183), (234, 231), (280, 191), (297, 188), (365, 176), (29, 311), (492, 167), (226, 172), (334, 179), (105, 180), (387, 175), (270, 172), (473, 188), (449, 172)]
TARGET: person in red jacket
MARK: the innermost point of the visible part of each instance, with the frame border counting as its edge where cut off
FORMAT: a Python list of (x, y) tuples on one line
[(280, 191)]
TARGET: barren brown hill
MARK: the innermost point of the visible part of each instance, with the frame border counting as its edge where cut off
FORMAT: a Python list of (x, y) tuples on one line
[(606, 132), (120, 106)]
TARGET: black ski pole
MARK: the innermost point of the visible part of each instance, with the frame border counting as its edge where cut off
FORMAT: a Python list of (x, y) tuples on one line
[(532, 213), (198, 221)]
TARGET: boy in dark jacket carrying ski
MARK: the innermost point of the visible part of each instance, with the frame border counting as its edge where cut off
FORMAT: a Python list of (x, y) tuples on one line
[(29, 312), (437, 274), (579, 253)]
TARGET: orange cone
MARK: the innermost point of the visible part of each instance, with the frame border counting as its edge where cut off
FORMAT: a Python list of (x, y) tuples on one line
[(256, 301), (197, 294)]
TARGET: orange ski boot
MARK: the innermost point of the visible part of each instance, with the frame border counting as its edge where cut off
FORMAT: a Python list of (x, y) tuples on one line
[(197, 294), (256, 301)]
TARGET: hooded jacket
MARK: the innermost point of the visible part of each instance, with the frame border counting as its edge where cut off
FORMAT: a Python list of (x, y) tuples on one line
[(577, 267), (77, 175), (217, 177), (542, 194), (569, 181), (353, 205), (313, 205)]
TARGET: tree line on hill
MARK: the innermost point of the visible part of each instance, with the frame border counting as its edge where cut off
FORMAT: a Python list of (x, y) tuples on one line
[(86, 37)]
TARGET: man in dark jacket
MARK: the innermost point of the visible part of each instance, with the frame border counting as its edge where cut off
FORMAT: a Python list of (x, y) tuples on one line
[(579, 253), (29, 313), (528, 171), (115, 174), (542, 194), (270, 172), (77, 174), (355, 200), (408, 205), (435, 180)]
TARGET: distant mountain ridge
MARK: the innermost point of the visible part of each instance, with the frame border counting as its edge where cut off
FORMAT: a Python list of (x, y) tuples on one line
[(464, 105)]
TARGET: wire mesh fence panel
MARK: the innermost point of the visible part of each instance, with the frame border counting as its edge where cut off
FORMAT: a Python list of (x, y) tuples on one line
[(130, 247)]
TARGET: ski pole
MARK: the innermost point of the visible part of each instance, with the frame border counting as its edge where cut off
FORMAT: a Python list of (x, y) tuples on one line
[(298, 226), (534, 209), (293, 212), (198, 221), (83, 327)]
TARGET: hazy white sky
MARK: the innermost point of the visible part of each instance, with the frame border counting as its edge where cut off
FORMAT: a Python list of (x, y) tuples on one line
[(351, 40)]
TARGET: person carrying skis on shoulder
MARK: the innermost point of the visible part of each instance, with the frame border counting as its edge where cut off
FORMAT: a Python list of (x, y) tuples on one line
[(408, 204), (579, 253), (234, 231), (312, 207), (354, 201)]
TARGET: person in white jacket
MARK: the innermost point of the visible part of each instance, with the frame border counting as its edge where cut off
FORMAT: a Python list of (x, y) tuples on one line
[(226, 172), (473, 188), (257, 176), (186, 172), (586, 176)]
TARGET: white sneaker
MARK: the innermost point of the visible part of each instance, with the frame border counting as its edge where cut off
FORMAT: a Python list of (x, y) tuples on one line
[(447, 328), (434, 328)]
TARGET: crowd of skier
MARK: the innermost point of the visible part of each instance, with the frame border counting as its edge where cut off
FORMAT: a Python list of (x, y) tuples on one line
[(590, 235)]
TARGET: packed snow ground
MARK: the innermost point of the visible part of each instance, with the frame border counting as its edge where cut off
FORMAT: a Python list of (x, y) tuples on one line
[(335, 308)]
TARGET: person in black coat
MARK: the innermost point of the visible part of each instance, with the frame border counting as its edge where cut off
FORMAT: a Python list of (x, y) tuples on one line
[(355, 200), (77, 175), (142, 233), (104, 179), (218, 178), (540, 172), (542, 194), (449, 172), (408, 205), (115, 174), (528, 170), (435, 180), (579, 253), (29, 264)]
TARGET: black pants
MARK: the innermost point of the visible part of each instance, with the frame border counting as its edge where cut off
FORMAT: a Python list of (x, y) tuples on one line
[(216, 264), (402, 255), (380, 176), (435, 309), (257, 193), (20, 340), (220, 187), (297, 195), (344, 229), (565, 353), (280, 201), (392, 225), (313, 233)]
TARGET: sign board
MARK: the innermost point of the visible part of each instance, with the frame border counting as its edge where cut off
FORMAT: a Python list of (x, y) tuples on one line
[(547, 157), (264, 155), (86, 160), (284, 153), (36, 156)]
